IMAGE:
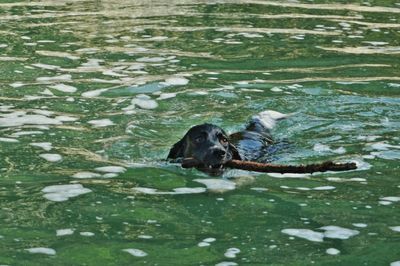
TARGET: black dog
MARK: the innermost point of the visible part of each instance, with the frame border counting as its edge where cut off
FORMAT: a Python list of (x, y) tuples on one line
[(212, 147)]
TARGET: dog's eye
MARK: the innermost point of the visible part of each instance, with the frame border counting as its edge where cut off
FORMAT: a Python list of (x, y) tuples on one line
[(199, 139), (223, 140)]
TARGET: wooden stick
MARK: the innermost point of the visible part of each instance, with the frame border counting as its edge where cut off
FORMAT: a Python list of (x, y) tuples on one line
[(276, 168)]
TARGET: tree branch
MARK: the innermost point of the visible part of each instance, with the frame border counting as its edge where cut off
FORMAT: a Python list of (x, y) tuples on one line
[(276, 168)]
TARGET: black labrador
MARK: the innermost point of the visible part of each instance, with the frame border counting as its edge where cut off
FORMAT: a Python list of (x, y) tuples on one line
[(212, 147)]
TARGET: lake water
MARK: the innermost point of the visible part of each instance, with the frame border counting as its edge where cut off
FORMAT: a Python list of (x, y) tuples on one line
[(94, 93)]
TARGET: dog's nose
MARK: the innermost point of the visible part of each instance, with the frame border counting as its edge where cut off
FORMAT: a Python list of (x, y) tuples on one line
[(219, 153)]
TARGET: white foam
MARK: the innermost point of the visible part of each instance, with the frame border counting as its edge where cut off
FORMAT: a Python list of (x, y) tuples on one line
[(332, 251), (86, 174), (305, 234), (64, 192), (63, 88), (111, 169), (136, 252), (360, 225), (145, 237), (383, 146), (10, 140), (47, 146), (176, 191), (391, 198), (64, 232), (86, 234), (260, 189), (144, 102), (101, 122), (46, 66), (231, 252), (164, 96), (51, 157), (21, 118), (41, 250), (59, 78), (203, 244), (226, 263), (353, 179), (93, 93), (65, 118), (395, 228), (176, 81), (277, 175), (217, 185), (337, 232), (151, 59), (268, 118), (324, 188), (395, 263), (325, 148)]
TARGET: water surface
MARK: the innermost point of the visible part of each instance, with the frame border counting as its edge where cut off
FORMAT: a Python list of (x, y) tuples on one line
[(93, 95)]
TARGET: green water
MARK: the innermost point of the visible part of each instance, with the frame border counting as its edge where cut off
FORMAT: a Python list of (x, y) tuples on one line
[(91, 84)]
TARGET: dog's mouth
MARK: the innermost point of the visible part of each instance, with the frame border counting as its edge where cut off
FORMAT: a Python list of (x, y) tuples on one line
[(214, 169)]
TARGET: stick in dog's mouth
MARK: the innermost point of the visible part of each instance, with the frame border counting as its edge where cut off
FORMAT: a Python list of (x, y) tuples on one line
[(276, 168)]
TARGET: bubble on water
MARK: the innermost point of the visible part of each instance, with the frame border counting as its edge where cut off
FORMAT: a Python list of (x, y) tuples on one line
[(51, 157), (136, 252), (305, 234), (47, 146), (41, 250), (111, 169), (395, 228), (86, 234), (10, 140), (60, 193), (101, 122), (332, 251), (395, 263), (337, 232), (86, 174), (231, 252), (63, 88), (64, 232), (217, 185)]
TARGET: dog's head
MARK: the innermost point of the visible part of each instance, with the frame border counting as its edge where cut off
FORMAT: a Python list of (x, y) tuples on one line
[(209, 145)]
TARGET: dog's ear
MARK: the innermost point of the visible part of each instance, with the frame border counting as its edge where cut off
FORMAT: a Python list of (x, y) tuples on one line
[(235, 152), (178, 150)]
